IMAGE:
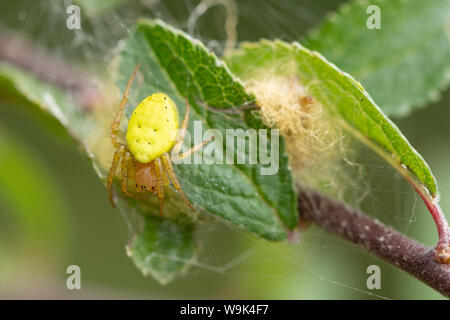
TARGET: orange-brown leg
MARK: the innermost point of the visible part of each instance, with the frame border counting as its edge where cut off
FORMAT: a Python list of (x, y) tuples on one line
[(112, 171), (123, 103), (160, 178), (193, 150), (173, 177), (179, 143)]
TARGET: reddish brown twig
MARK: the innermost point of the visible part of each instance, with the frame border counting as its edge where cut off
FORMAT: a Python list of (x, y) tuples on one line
[(378, 239)]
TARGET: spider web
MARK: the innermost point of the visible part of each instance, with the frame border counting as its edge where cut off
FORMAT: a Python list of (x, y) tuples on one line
[(241, 265)]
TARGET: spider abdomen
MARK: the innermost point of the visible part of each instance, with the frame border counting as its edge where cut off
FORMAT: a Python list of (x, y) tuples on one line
[(145, 177), (153, 127)]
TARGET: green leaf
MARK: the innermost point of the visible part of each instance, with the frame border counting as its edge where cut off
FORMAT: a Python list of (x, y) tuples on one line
[(405, 64), (181, 67), (21, 87), (163, 249), (343, 97)]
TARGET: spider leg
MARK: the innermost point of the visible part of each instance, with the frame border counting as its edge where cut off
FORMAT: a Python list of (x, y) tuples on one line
[(173, 177), (193, 150), (126, 160), (160, 178), (112, 171), (123, 103), (179, 143), (165, 177)]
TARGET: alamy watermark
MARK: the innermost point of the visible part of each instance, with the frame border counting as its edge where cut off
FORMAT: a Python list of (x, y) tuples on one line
[(374, 280), (374, 20), (238, 146), (73, 21), (74, 280)]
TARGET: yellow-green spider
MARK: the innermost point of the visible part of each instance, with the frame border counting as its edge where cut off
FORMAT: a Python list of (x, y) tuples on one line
[(151, 137)]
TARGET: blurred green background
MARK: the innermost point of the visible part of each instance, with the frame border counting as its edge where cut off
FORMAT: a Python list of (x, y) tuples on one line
[(54, 211)]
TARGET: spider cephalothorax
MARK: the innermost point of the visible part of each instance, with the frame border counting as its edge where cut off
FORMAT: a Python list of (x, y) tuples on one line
[(152, 135)]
